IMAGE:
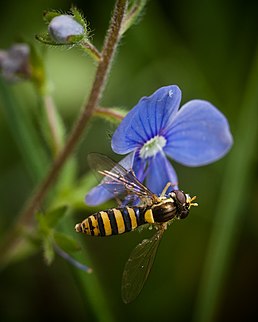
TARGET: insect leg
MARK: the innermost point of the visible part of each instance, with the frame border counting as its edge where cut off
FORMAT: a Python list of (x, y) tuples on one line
[(169, 184)]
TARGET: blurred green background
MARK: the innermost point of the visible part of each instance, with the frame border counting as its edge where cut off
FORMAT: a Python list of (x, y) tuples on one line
[(206, 266)]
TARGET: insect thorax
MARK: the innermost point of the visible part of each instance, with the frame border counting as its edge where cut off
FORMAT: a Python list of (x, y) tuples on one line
[(164, 211)]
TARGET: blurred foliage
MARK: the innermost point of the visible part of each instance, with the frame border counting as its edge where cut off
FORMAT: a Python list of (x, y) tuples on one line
[(209, 49)]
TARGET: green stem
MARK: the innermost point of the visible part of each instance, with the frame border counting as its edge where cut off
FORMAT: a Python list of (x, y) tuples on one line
[(109, 113), (227, 222), (133, 14), (94, 98), (91, 50), (55, 128), (109, 49)]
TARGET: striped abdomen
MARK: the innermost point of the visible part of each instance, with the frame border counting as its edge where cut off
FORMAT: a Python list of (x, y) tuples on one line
[(115, 221)]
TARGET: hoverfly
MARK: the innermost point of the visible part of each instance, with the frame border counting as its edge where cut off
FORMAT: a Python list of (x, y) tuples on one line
[(151, 209)]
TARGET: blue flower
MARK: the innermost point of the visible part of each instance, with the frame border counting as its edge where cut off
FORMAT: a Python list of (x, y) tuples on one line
[(194, 135)]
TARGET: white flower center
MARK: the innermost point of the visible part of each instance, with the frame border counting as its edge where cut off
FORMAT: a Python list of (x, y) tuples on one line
[(152, 147)]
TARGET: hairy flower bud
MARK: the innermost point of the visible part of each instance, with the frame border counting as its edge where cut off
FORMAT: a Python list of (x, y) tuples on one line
[(63, 27)]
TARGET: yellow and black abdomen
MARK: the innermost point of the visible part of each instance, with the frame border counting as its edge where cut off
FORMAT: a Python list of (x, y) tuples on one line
[(115, 221)]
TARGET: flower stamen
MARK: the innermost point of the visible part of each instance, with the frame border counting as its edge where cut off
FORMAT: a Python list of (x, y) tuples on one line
[(152, 147)]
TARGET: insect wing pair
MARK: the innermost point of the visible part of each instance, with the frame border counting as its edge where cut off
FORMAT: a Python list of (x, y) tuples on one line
[(121, 182)]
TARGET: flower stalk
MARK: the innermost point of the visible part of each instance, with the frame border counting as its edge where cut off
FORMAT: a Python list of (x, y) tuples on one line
[(53, 124), (110, 113), (133, 14), (104, 65), (91, 50)]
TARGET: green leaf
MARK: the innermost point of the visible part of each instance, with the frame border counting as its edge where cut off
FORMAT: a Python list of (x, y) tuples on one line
[(78, 16), (67, 243), (74, 194), (24, 133), (43, 228), (48, 15), (53, 217), (74, 39), (45, 38), (49, 253)]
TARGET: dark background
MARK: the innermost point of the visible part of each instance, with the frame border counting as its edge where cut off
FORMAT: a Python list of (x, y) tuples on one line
[(208, 49)]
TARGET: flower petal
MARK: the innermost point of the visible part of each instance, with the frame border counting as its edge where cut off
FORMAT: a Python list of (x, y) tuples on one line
[(160, 172), (127, 162), (147, 119), (104, 192), (139, 167), (199, 134), (98, 195)]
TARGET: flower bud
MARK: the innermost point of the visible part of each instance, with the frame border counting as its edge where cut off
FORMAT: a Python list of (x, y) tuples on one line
[(63, 27), (15, 62)]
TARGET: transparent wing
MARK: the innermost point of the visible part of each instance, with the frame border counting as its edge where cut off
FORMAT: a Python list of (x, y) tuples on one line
[(138, 266), (117, 180)]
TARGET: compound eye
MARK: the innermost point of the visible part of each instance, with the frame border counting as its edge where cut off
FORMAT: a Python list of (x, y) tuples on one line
[(184, 214), (180, 196)]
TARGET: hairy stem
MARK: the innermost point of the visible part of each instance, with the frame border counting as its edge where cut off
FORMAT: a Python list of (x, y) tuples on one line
[(108, 112), (109, 48), (92, 51)]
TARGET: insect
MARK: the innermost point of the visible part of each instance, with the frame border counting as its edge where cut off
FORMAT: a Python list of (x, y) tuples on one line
[(151, 209)]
